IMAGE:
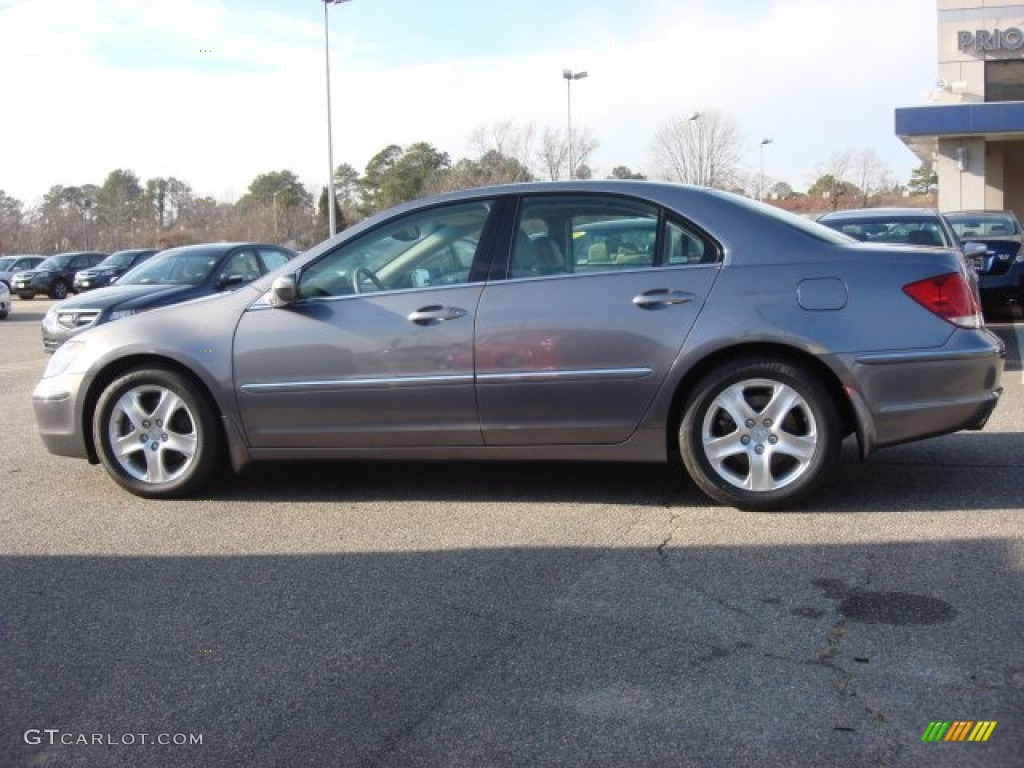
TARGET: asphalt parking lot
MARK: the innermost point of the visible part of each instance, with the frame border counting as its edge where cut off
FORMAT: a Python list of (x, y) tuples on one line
[(510, 615)]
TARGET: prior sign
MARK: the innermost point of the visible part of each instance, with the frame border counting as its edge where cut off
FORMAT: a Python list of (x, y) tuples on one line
[(982, 40)]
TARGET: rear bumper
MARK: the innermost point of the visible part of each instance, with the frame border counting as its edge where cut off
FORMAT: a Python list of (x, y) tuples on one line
[(924, 393)]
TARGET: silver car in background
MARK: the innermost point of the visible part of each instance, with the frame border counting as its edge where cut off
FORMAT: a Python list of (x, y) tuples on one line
[(608, 321)]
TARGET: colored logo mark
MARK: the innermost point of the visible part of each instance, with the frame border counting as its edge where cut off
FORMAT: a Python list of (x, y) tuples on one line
[(958, 730)]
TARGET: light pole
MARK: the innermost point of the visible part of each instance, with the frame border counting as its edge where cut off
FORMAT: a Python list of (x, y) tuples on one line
[(760, 179), (86, 205), (569, 76), (331, 219), (695, 162), (274, 204)]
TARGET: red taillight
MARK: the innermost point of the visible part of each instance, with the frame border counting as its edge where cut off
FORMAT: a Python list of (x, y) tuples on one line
[(948, 296)]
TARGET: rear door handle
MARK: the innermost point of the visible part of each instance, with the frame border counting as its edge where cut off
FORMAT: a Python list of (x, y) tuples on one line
[(435, 314), (660, 298)]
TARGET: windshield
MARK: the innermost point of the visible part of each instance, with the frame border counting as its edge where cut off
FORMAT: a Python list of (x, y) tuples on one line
[(994, 225), (173, 269), (56, 262), (122, 259)]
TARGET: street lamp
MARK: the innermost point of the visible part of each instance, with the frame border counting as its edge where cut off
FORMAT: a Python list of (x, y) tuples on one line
[(760, 182), (569, 76), (331, 219)]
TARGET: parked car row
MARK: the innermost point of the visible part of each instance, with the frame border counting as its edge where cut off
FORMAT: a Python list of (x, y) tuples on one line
[(55, 276), (1001, 273), (110, 269), (11, 265), (990, 242), (158, 280), (602, 320)]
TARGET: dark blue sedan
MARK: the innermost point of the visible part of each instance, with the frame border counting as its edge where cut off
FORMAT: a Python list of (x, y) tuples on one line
[(170, 277)]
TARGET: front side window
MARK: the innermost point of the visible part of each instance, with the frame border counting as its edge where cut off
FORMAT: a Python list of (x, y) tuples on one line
[(429, 248)]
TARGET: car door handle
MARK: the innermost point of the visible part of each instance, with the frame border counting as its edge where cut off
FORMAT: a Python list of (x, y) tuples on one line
[(435, 314), (659, 298)]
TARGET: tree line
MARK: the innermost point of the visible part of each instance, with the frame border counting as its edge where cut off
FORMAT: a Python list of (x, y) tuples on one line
[(705, 149)]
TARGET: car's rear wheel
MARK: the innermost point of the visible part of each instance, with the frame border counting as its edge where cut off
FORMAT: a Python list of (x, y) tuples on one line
[(59, 290), (26, 296), (759, 433), (157, 433)]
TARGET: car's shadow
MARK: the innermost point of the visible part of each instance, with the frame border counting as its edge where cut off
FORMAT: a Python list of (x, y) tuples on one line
[(963, 471)]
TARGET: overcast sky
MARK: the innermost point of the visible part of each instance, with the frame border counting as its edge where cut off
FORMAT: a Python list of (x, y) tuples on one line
[(216, 92)]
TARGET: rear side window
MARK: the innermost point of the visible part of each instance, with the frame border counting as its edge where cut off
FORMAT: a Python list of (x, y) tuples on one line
[(557, 235), (684, 245)]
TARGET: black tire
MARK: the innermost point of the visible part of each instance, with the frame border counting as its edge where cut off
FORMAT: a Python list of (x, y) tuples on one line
[(26, 296), (764, 462), (59, 290), (172, 444)]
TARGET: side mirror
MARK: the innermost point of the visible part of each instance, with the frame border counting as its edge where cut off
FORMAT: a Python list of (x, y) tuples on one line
[(973, 250), (283, 291), (226, 281)]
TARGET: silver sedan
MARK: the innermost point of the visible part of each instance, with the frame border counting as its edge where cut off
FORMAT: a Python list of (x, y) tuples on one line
[(608, 321)]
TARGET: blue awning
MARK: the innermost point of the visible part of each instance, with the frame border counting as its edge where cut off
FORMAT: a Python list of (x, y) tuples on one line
[(1002, 118)]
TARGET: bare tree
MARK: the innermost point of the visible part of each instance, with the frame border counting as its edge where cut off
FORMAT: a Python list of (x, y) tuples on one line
[(506, 138), (704, 149), (584, 144), (553, 155), (833, 180), (869, 174)]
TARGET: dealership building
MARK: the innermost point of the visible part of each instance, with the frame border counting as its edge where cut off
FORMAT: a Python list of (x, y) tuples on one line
[(972, 129)]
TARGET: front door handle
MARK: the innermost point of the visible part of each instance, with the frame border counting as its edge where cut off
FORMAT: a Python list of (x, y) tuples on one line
[(435, 314), (659, 298)]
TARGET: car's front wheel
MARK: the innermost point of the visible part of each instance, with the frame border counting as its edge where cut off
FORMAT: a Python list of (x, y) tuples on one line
[(59, 290), (759, 433), (26, 295), (157, 433)]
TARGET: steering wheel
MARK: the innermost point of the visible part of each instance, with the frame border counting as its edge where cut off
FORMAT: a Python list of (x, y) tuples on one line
[(364, 272)]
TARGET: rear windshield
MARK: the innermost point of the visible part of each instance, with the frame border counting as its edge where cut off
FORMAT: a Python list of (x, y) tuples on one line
[(906, 230)]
